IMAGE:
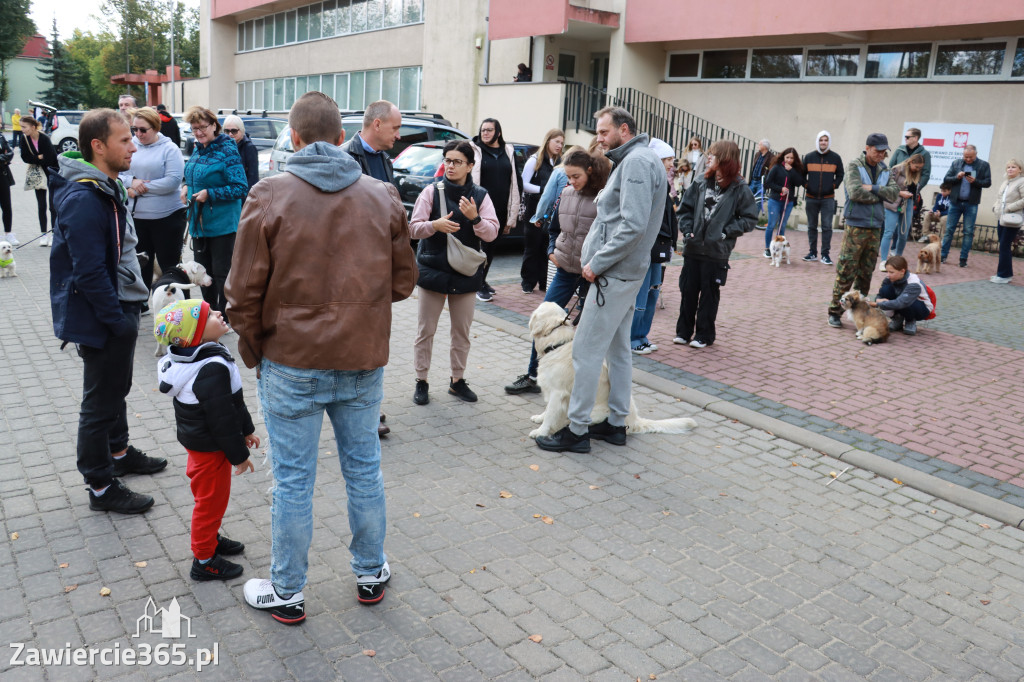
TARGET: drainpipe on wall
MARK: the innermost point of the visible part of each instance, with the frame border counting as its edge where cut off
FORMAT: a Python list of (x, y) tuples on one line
[(487, 51)]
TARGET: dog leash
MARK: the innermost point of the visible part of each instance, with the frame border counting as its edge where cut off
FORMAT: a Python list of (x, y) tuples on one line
[(32, 240)]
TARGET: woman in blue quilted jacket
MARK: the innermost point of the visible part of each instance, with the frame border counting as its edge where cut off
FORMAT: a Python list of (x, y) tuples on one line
[(215, 186)]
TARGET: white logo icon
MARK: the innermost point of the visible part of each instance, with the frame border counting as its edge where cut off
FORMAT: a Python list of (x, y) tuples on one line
[(170, 621)]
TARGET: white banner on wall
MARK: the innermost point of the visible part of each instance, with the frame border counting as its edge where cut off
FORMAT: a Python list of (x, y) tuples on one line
[(946, 141)]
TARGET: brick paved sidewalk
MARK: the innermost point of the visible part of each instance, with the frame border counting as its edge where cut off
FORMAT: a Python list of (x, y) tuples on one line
[(947, 401), (719, 555)]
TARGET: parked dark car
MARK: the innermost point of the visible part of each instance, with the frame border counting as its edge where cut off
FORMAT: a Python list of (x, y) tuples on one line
[(420, 164), (262, 130)]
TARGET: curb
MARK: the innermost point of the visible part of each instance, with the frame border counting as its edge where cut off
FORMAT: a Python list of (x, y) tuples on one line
[(980, 503)]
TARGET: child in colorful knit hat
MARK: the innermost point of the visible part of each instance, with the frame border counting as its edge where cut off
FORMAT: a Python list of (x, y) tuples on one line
[(213, 424)]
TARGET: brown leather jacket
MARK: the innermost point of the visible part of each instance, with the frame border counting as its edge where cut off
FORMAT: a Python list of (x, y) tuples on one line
[(314, 274)]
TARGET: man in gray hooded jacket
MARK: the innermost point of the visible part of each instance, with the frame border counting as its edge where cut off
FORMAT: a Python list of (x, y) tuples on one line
[(96, 296), (616, 255)]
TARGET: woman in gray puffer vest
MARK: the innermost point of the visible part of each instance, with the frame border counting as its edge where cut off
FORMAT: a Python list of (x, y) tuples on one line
[(576, 211), (715, 210)]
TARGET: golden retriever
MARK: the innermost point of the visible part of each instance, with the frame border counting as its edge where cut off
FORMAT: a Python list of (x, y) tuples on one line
[(552, 335)]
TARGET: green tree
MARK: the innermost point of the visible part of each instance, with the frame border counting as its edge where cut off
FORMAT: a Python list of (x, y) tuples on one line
[(15, 29), (63, 74), (87, 51)]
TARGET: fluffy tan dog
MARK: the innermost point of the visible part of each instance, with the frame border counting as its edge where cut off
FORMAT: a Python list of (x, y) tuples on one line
[(871, 323), (552, 334), (929, 257)]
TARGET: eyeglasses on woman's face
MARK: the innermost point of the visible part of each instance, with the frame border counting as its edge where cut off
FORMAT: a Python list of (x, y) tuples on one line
[(454, 163), (139, 129), (231, 131), (205, 126)]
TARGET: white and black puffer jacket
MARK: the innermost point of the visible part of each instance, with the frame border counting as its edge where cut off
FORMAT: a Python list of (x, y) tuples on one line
[(209, 407)]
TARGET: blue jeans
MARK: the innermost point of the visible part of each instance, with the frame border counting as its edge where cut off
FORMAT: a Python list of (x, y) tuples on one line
[(757, 188), (970, 214), (560, 290), (894, 236), (774, 212), (294, 401), (646, 301)]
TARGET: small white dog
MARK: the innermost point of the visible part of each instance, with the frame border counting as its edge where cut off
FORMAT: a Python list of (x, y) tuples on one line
[(552, 335), (779, 249), (7, 268), (176, 285)]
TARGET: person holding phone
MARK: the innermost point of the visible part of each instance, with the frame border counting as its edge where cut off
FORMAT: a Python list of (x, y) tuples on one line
[(968, 176)]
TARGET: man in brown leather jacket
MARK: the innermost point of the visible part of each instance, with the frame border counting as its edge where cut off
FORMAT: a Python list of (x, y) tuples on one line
[(322, 252)]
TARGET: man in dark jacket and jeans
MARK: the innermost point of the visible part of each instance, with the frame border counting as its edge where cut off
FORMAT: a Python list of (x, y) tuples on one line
[(823, 173), (867, 183), (968, 176), (96, 294)]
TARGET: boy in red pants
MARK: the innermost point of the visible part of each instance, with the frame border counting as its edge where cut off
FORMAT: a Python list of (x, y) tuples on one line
[(213, 424)]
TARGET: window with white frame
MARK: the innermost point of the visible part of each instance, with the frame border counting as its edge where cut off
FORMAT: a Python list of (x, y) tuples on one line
[(352, 90), (833, 62), (970, 59), (328, 19)]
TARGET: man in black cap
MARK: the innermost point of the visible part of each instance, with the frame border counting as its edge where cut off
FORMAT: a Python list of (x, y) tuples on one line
[(867, 183), (168, 126)]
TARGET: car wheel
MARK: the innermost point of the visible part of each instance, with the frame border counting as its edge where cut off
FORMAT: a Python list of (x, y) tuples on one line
[(69, 144)]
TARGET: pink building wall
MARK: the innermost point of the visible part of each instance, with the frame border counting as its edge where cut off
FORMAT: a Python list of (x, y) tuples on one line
[(521, 18), (671, 20), (223, 8)]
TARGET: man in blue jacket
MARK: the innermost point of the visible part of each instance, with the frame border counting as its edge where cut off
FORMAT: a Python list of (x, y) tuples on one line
[(96, 295), (968, 176)]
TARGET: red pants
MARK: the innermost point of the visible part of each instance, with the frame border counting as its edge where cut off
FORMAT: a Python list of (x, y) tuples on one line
[(210, 473)]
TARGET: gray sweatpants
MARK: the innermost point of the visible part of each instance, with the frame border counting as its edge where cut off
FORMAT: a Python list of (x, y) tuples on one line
[(603, 334)]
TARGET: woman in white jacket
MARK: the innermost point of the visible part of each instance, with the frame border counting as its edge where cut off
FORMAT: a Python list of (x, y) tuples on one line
[(1009, 208), (154, 184)]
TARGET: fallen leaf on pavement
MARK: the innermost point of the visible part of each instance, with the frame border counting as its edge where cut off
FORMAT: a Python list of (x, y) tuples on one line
[(504, 494), (985, 602), (793, 464), (931, 511), (369, 652), (64, 565), (897, 481), (723, 494), (138, 416), (833, 474), (535, 467), (547, 519), (415, 515), (536, 516), (984, 525), (666, 512), (594, 487), (652, 676), (140, 564), (472, 570), (536, 638), (70, 588), (14, 536), (480, 505), (636, 475), (104, 591)]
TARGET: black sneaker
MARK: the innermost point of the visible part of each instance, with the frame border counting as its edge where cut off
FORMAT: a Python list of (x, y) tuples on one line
[(825, 260), (228, 547), (489, 288), (484, 295), (217, 568), (262, 595), (834, 321), (767, 253), (963, 262), (616, 435), (524, 384), (118, 498), (811, 257), (420, 396), (460, 390), (563, 440), (135, 461), (383, 430), (370, 588)]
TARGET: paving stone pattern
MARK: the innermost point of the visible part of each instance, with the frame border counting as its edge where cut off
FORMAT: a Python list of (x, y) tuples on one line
[(947, 399), (721, 555)]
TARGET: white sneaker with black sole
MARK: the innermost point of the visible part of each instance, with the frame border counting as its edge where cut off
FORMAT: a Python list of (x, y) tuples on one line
[(260, 594), (370, 588)]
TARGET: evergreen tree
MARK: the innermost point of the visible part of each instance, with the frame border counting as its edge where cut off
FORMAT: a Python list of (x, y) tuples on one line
[(63, 74)]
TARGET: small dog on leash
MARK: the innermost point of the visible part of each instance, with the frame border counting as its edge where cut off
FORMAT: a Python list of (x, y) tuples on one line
[(871, 323), (176, 285), (779, 249), (7, 268), (929, 257)]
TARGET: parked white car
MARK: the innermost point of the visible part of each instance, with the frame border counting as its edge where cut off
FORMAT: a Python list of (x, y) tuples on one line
[(61, 125)]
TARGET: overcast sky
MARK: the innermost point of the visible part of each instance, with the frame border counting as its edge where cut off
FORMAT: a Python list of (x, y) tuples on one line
[(71, 14)]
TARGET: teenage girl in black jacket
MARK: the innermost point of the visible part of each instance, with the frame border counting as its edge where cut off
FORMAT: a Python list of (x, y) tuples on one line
[(38, 151)]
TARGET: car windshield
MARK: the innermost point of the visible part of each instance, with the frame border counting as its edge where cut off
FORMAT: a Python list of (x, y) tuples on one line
[(419, 160)]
